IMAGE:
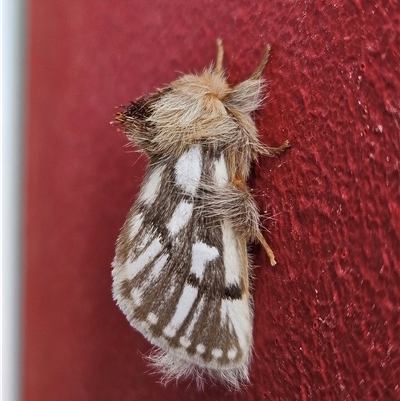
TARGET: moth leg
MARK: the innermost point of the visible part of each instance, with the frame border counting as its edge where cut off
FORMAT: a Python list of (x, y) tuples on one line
[(251, 224), (276, 151), (267, 248), (232, 203), (240, 185)]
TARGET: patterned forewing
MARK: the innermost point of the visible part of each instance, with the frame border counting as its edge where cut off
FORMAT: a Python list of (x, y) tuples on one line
[(180, 276)]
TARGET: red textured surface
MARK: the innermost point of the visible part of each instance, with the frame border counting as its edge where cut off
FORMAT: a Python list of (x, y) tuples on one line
[(327, 317)]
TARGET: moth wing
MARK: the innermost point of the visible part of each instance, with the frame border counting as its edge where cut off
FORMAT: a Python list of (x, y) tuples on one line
[(180, 278)]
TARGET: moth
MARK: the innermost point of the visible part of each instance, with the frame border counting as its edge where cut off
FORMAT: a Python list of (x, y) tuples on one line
[(181, 270)]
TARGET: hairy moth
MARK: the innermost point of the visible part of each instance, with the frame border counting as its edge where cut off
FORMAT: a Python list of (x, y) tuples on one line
[(181, 270)]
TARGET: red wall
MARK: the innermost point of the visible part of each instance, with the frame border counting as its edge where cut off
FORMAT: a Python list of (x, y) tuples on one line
[(327, 317)]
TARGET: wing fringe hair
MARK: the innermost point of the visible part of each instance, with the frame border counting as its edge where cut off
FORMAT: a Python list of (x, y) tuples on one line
[(173, 369)]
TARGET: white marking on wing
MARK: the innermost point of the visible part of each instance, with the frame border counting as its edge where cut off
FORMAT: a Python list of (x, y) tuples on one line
[(184, 342), (221, 173), (188, 170), (195, 317), (180, 217), (134, 267), (143, 243), (231, 254), (201, 254), (150, 189), (118, 272), (152, 318), (157, 267), (169, 331), (185, 302), (200, 348), (216, 353), (239, 314), (136, 295), (135, 224), (224, 311), (170, 291), (232, 353)]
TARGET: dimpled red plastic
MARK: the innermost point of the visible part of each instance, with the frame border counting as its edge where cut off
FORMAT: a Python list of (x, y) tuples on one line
[(327, 317)]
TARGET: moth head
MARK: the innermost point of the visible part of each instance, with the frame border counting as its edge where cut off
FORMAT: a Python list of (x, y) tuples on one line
[(133, 120), (196, 108)]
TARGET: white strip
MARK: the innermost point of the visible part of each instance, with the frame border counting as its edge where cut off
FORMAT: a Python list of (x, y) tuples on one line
[(188, 170), (134, 267), (151, 186), (224, 311), (221, 172), (156, 270), (202, 254), (185, 302), (195, 317), (180, 217), (239, 315), (135, 224), (231, 255)]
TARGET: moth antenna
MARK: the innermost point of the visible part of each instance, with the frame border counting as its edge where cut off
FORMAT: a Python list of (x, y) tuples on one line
[(220, 56), (257, 73)]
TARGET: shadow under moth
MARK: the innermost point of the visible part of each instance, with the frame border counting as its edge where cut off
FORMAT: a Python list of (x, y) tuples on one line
[(181, 270)]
